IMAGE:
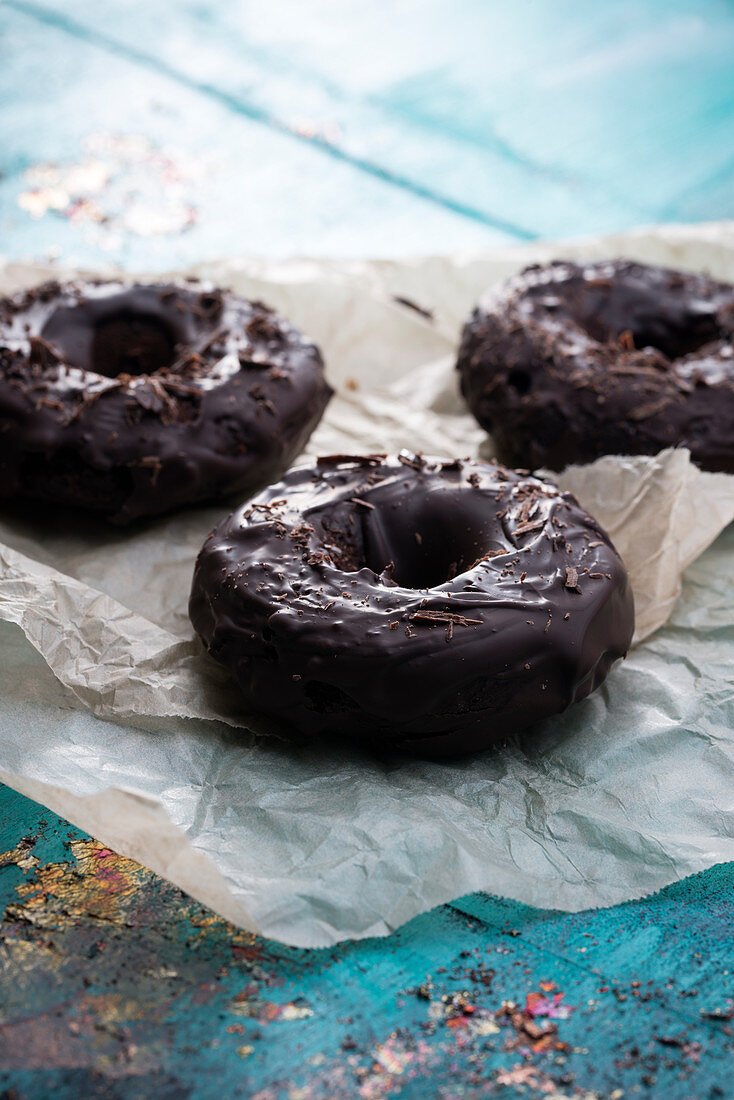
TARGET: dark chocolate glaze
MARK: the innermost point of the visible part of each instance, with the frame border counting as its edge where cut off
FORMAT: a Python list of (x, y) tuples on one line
[(565, 363), (419, 606), (132, 400)]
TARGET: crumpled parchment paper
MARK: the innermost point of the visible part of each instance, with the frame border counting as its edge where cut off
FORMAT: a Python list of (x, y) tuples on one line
[(111, 714)]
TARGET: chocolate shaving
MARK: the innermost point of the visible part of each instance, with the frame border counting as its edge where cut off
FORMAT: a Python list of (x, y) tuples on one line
[(211, 303), (416, 462), (427, 313), (152, 396), (192, 354), (642, 412), (351, 460), (49, 403), (444, 617), (258, 394), (152, 463), (531, 525), (260, 327), (42, 354)]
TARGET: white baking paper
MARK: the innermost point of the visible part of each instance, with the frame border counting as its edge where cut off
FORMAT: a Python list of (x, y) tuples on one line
[(111, 714)]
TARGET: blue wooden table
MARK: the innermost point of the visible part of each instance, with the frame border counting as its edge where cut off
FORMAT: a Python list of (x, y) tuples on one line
[(153, 134)]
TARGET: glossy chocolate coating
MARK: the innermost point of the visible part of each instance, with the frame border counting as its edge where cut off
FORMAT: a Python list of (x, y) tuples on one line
[(132, 400), (565, 363), (419, 606)]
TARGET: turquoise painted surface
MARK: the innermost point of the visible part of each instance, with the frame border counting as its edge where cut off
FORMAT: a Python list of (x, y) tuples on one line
[(381, 128), (114, 984), (153, 134)]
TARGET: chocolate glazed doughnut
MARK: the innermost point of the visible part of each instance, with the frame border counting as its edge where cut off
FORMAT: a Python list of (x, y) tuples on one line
[(132, 400), (419, 606), (565, 363)]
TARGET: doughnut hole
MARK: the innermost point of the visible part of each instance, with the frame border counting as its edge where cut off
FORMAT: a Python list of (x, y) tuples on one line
[(127, 343), (111, 336), (675, 341), (674, 327), (429, 538)]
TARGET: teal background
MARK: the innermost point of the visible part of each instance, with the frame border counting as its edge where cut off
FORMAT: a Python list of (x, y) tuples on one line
[(149, 135)]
